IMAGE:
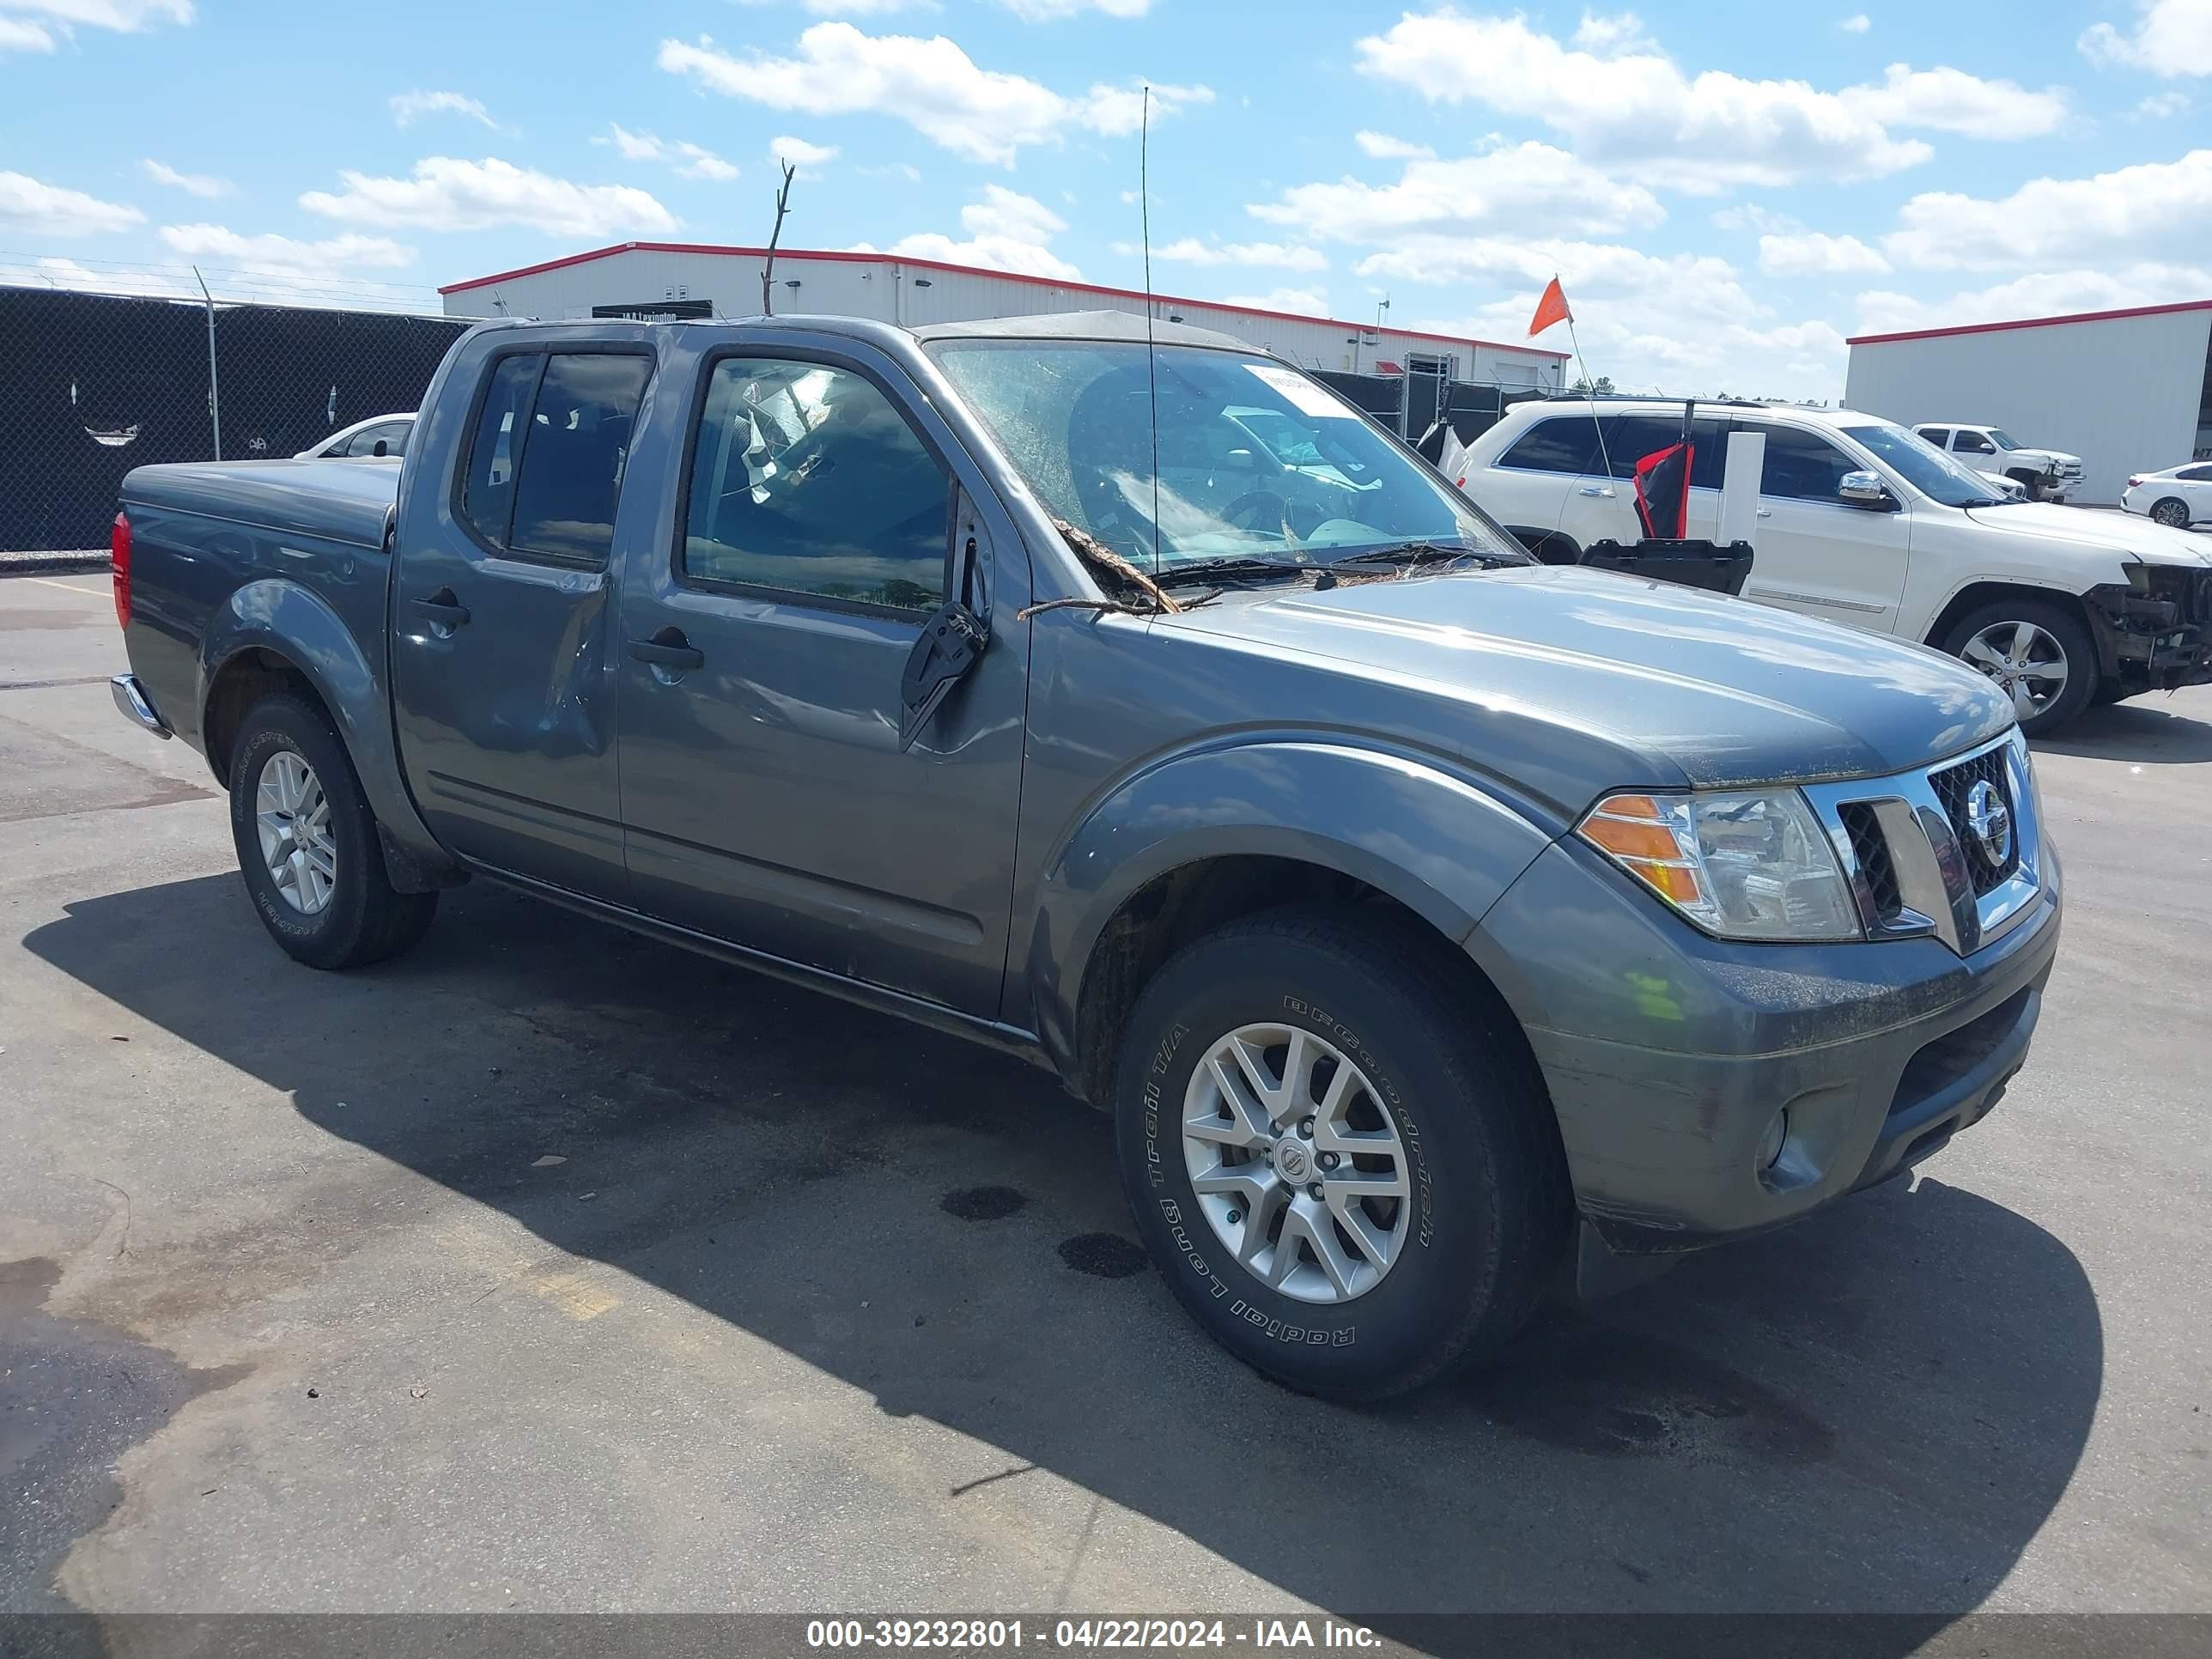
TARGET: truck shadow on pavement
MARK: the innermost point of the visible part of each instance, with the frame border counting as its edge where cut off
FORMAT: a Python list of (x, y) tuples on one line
[(1874, 1411), (2142, 731)]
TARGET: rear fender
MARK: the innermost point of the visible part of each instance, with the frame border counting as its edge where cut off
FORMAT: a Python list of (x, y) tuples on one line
[(1437, 843), (294, 622)]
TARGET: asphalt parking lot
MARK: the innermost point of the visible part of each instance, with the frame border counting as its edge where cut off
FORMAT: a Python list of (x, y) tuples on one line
[(550, 1268)]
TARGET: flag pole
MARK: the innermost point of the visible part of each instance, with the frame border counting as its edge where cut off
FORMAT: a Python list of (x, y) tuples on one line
[(1592, 384)]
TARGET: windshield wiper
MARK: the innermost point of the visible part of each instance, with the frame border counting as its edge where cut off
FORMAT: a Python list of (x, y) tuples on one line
[(1236, 569), (1410, 553)]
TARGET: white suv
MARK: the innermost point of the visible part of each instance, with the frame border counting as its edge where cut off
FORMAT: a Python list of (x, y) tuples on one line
[(1863, 523)]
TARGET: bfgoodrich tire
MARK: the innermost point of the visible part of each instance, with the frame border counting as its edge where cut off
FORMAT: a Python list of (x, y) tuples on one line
[(307, 842), (1427, 1241), (2038, 652)]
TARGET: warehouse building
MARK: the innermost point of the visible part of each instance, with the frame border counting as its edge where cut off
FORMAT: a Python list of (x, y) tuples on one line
[(2127, 391), (667, 279)]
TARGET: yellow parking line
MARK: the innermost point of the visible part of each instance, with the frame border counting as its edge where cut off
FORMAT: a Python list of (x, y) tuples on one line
[(82, 592)]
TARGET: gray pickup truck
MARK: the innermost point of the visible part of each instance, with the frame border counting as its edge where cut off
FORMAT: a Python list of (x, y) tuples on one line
[(1437, 926)]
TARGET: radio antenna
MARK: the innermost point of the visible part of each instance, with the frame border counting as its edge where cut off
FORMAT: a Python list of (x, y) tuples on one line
[(1151, 364)]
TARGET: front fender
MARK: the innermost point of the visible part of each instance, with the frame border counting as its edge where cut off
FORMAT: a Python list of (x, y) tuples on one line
[(295, 622), (1441, 846)]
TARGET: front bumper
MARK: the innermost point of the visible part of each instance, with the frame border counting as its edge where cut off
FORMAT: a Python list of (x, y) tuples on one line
[(1665, 1082), (2158, 635)]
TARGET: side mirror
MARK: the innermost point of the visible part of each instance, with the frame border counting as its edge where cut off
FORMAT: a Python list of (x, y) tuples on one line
[(1864, 489), (381, 450), (1241, 457), (954, 638)]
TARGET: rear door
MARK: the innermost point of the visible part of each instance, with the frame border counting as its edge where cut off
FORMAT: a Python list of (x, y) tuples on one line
[(503, 662), (1817, 553), (765, 796), (1628, 438), (1526, 488)]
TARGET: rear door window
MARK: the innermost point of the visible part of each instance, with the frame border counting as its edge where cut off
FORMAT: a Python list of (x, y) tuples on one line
[(546, 463), (1559, 443), (1938, 435)]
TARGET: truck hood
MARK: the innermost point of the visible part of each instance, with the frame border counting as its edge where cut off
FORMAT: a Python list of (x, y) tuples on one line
[(1568, 682), (2104, 534)]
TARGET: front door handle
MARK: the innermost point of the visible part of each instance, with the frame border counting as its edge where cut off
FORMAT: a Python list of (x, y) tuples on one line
[(1765, 512), (669, 649), (441, 608)]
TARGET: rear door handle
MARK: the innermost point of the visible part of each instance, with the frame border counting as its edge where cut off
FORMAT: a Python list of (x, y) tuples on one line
[(669, 649), (1597, 489), (441, 607)]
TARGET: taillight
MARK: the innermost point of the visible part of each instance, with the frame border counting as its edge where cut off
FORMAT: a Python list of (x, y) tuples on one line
[(118, 542), (2134, 483)]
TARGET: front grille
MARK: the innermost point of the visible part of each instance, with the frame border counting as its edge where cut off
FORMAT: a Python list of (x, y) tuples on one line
[(1953, 785), (1870, 847)]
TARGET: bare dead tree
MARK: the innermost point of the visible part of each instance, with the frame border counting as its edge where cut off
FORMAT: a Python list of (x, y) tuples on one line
[(768, 270)]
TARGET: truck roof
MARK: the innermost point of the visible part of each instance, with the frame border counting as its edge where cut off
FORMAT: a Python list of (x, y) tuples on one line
[(1114, 325)]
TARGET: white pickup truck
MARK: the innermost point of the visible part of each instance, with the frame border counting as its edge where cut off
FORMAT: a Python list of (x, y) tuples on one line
[(2047, 475), (1862, 523)]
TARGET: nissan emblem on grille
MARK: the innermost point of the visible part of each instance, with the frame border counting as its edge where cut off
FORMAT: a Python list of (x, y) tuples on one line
[(1989, 820)]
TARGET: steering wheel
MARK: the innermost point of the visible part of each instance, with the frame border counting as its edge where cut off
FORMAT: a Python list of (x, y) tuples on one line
[(1257, 503)]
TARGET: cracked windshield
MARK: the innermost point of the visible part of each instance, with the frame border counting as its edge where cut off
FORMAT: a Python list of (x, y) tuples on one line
[(1256, 461)]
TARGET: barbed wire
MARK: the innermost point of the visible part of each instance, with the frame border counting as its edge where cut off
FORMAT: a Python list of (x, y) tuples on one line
[(233, 285)]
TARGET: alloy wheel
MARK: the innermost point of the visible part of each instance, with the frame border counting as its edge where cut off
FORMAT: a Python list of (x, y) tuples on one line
[(1298, 1167), (292, 816), (2025, 660)]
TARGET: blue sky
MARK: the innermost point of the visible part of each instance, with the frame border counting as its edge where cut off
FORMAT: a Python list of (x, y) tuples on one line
[(1728, 190)]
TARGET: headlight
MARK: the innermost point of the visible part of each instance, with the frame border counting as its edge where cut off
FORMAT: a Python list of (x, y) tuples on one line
[(1752, 865)]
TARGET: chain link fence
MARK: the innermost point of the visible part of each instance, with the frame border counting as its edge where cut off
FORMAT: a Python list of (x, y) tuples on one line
[(93, 385)]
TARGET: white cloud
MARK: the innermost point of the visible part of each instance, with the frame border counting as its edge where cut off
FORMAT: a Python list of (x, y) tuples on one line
[(38, 25), (1299, 301), (1006, 231), (408, 106), (28, 206), (1814, 253), (286, 254), (1190, 250), (1951, 101), (1624, 103), (2148, 212), (1857, 23), (1750, 215), (905, 170), (691, 160), (2171, 38), (799, 153), (1047, 11), (445, 193), (863, 8), (2161, 105), (192, 184), (2046, 293), (1532, 188), (1384, 147), (983, 115)]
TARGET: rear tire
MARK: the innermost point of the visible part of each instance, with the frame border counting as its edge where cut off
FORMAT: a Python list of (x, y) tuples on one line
[(1443, 1098), (2173, 512), (307, 842), (1988, 639)]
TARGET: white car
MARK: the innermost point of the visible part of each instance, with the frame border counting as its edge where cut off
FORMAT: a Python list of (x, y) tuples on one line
[(2180, 495), (380, 437), (2047, 475), (1863, 523)]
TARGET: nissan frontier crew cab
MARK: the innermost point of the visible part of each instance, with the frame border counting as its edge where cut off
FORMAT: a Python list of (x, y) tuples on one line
[(1437, 926)]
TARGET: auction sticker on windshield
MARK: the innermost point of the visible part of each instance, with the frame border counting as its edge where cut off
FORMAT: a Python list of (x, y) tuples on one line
[(1305, 396)]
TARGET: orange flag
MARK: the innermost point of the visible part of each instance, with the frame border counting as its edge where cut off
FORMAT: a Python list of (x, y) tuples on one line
[(1552, 308)]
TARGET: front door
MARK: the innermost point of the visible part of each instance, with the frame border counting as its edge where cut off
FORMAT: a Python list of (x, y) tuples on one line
[(502, 629), (765, 796), (1816, 553)]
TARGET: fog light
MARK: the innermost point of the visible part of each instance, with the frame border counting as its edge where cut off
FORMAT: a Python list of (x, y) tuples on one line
[(1770, 1143)]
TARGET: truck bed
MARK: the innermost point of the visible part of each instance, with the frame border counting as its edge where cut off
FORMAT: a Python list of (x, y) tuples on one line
[(343, 502)]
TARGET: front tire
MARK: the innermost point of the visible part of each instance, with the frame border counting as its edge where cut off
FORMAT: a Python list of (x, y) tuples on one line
[(307, 842), (2037, 652), (1340, 1157)]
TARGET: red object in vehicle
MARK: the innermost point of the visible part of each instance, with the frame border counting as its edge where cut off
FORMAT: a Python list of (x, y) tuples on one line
[(118, 542)]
